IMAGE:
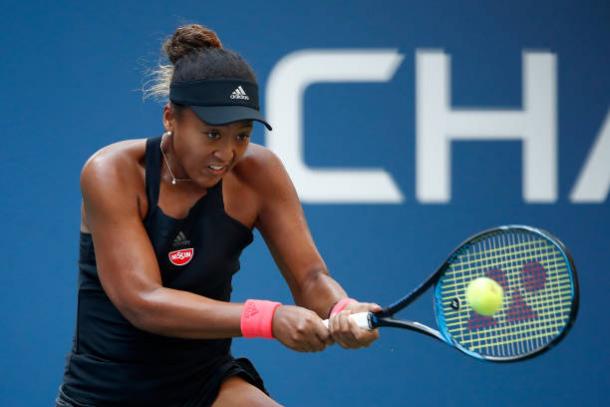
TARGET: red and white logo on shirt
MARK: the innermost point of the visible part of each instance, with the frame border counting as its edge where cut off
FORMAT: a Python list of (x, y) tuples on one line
[(181, 257)]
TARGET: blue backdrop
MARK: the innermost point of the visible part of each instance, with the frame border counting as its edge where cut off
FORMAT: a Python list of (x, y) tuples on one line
[(70, 76)]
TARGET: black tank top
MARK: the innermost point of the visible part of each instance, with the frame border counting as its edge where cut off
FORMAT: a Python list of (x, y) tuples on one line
[(113, 362)]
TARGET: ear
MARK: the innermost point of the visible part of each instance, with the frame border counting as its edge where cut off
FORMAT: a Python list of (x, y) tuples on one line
[(169, 117)]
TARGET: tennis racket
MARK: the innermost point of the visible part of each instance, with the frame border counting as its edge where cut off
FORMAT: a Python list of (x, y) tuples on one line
[(540, 296)]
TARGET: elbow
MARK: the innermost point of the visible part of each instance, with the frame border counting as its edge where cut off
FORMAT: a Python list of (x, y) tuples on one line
[(311, 282), (315, 276), (139, 319), (140, 312)]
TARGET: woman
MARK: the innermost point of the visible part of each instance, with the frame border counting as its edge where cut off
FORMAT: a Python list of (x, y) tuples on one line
[(163, 223)]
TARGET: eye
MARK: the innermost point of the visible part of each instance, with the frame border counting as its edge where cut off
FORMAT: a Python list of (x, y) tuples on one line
[(243, 137), (213, 135)]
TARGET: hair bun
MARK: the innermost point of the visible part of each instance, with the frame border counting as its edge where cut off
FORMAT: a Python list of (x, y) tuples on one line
[(190, 38)]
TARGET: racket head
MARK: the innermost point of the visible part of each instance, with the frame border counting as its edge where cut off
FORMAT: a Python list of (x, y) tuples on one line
[(540, 286)]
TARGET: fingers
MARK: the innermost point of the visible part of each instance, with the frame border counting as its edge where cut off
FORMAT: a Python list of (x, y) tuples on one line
[(341, 330), (323, 334), (347, 333), (363, 306), (319, 337), (311, 334), (374, 307)]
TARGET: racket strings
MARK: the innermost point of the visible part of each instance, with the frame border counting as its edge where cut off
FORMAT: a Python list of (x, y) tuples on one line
[(538, 292)]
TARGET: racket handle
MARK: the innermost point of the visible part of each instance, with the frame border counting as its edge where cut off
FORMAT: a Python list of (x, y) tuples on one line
[(361, 318)]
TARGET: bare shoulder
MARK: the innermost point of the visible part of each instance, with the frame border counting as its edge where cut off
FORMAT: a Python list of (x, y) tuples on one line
[(115, 158), (259, 166), (113, 177), (262, 172), (117, 162)]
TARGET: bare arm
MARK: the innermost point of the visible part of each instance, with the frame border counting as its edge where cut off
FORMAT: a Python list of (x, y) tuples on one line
[(284, 228), (128, 268), (283, 225)]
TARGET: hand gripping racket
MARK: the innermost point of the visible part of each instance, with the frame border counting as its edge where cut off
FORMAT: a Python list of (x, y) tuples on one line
[(540, 296)]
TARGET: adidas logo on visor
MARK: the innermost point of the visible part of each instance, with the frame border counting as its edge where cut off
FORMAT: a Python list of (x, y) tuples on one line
[(239, 93)]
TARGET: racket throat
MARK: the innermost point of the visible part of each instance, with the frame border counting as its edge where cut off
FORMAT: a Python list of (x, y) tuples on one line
[(410, 325)]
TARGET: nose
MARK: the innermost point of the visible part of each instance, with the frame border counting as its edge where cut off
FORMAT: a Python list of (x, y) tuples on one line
[(225, 152)]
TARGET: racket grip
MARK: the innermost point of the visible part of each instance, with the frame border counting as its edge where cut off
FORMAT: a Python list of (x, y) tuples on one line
[(361, 318)]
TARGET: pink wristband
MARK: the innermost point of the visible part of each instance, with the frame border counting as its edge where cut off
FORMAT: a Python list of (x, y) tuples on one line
[(340, 306), (257, 319)]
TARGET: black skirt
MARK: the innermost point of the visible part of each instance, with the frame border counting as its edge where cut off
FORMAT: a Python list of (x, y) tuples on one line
[(206, 395), (237, 367)]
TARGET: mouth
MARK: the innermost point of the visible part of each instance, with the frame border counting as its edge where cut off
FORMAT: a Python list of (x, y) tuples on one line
[(217, 169)]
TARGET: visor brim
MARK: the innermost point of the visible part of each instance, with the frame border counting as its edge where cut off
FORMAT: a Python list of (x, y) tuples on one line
[(221, 115)]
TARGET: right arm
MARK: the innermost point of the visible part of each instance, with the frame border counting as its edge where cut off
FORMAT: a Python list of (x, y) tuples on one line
[(128, 269)]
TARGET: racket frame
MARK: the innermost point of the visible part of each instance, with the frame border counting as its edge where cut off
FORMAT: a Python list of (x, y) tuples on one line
[(384, 318)]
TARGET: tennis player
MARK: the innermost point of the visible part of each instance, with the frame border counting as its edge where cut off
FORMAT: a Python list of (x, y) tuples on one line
[(163, 223)]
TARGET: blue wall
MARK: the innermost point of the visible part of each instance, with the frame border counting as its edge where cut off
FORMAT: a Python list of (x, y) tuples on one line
[(70, 74)]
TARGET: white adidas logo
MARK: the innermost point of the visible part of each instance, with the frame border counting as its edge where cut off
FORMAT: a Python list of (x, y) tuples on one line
[(239, 93)]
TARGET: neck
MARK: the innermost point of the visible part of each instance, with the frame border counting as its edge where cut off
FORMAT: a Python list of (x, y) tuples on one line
[(175, 172)]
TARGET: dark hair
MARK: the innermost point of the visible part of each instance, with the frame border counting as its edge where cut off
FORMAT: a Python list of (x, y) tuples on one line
[(195, 53)]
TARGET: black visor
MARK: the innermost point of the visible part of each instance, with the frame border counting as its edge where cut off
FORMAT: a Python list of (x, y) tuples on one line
[(221, 101)]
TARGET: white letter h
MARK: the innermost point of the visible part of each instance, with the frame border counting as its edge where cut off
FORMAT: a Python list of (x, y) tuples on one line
[(438, 125)]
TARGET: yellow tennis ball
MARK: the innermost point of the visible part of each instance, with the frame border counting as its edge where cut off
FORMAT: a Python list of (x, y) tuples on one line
[(485, 296)]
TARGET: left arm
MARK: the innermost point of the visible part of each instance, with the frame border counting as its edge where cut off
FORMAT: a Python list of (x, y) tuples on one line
[(282, 224)]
